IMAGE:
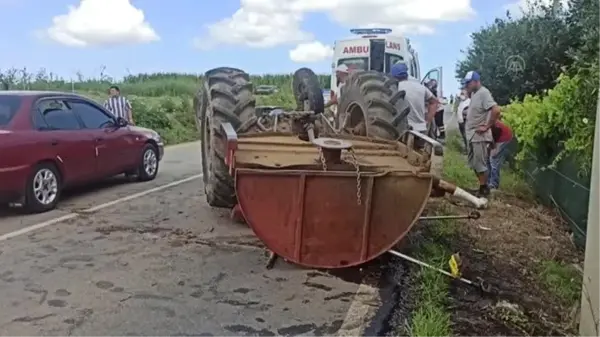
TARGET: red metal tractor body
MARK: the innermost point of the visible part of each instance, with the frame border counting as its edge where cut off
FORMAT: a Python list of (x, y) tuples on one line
[(316, 194)]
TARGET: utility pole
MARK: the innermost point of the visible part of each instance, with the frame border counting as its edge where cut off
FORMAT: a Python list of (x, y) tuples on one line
[(588, 324)]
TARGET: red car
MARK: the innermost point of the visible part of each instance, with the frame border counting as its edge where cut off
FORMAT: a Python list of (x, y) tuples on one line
[(53, 140)]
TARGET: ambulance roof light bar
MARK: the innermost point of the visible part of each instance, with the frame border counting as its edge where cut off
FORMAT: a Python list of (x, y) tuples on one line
[(370, 31)]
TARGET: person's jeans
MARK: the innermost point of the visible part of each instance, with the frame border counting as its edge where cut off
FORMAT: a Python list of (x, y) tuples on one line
[(496, 160)]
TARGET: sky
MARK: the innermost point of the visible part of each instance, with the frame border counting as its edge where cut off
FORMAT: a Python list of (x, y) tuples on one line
[(123, 37)]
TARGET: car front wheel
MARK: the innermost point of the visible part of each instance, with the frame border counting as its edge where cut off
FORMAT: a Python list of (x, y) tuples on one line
[(43, 189), (148, 167)]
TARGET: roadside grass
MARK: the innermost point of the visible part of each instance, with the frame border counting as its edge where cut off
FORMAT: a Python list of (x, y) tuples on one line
[(563, 280), (456, 171), (431, 315)]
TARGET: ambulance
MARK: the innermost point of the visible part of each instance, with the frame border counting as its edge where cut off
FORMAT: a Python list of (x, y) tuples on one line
[(378, 49)]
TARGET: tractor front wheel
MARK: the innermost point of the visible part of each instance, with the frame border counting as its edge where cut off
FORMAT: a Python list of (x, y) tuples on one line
[(226, 97)]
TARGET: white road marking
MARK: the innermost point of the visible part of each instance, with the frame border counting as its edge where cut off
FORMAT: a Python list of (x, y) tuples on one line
[(140, 194), (362, 309), (70, 216), (40, 225)]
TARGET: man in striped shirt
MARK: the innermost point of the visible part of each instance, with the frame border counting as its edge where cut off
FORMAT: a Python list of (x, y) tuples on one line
[(118, 105)]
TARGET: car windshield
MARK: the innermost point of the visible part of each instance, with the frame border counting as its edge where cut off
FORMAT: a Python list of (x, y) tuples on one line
[(8, 108)]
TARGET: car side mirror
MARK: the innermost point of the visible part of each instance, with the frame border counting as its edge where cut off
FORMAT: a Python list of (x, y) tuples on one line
[(121, 122)]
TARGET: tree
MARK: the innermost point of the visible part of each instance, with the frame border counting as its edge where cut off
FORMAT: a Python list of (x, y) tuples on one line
[(538, 42)]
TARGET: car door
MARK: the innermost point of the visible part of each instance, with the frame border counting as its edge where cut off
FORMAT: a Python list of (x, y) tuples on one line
[(62, 135), (114, 144), (435, 74)]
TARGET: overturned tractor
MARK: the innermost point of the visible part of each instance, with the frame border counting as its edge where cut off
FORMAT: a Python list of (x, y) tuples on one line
[(319, 194)]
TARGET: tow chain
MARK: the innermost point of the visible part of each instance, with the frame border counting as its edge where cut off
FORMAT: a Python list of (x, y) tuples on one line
[(354, 162), (322, 158)]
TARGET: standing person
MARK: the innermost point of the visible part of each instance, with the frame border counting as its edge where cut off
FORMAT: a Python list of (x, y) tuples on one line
[(341, 74), (417, 97), (119, 105), (482, 114), (502, 135), (439, 114), (461, 112)]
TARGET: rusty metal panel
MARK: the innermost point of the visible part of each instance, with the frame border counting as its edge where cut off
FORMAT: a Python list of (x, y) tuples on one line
[(288, 151), (313, 218)]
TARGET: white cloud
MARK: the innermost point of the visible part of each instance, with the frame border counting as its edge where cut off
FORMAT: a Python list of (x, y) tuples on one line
[(101, 23), (311, 52), (268, 23), (258, 27)]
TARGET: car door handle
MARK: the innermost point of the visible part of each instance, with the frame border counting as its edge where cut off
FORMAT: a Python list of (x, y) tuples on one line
[(99, 139), (54, 142)]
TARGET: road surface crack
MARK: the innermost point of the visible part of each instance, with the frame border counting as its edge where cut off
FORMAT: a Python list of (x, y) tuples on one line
[(29, 319)]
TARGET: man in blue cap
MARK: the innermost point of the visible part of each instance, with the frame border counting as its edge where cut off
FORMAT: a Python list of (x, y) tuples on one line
[(482, 114), (422, 102)]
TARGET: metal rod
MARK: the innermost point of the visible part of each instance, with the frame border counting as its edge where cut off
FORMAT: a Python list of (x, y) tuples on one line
[(311, 133), (472, 215), (423, 264), (272, 259)]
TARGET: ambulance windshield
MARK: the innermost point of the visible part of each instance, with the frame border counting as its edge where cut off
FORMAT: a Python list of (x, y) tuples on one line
[(355, 63)]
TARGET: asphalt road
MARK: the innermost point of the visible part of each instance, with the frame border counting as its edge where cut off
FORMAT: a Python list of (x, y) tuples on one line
[(126, 261)]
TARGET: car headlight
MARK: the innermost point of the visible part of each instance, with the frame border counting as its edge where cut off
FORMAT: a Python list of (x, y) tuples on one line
[(155, 137)]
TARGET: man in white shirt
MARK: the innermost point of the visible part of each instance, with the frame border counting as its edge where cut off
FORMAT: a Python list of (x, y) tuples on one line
[(461, 113), (423, 104), (341, 74)]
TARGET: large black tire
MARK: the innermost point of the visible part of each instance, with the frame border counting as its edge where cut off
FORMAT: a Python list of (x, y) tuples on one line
[(200, 107), (229, 99), (306, 88), (368, 106)]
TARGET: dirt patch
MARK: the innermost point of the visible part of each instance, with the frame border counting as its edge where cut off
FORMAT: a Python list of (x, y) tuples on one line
[(508, 247)]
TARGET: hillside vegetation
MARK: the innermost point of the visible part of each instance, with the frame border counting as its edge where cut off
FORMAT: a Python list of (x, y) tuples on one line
[(161, 101)]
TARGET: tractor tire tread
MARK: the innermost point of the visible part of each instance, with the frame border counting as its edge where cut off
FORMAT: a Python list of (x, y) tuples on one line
[(373, 92), (230, 99), (306, 86)]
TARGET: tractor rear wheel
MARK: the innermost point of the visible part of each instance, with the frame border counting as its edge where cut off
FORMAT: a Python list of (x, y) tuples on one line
[(368, 106), (226, 97), (307, 91)]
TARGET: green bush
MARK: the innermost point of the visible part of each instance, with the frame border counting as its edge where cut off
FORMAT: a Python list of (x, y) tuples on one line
[(558, 123)]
